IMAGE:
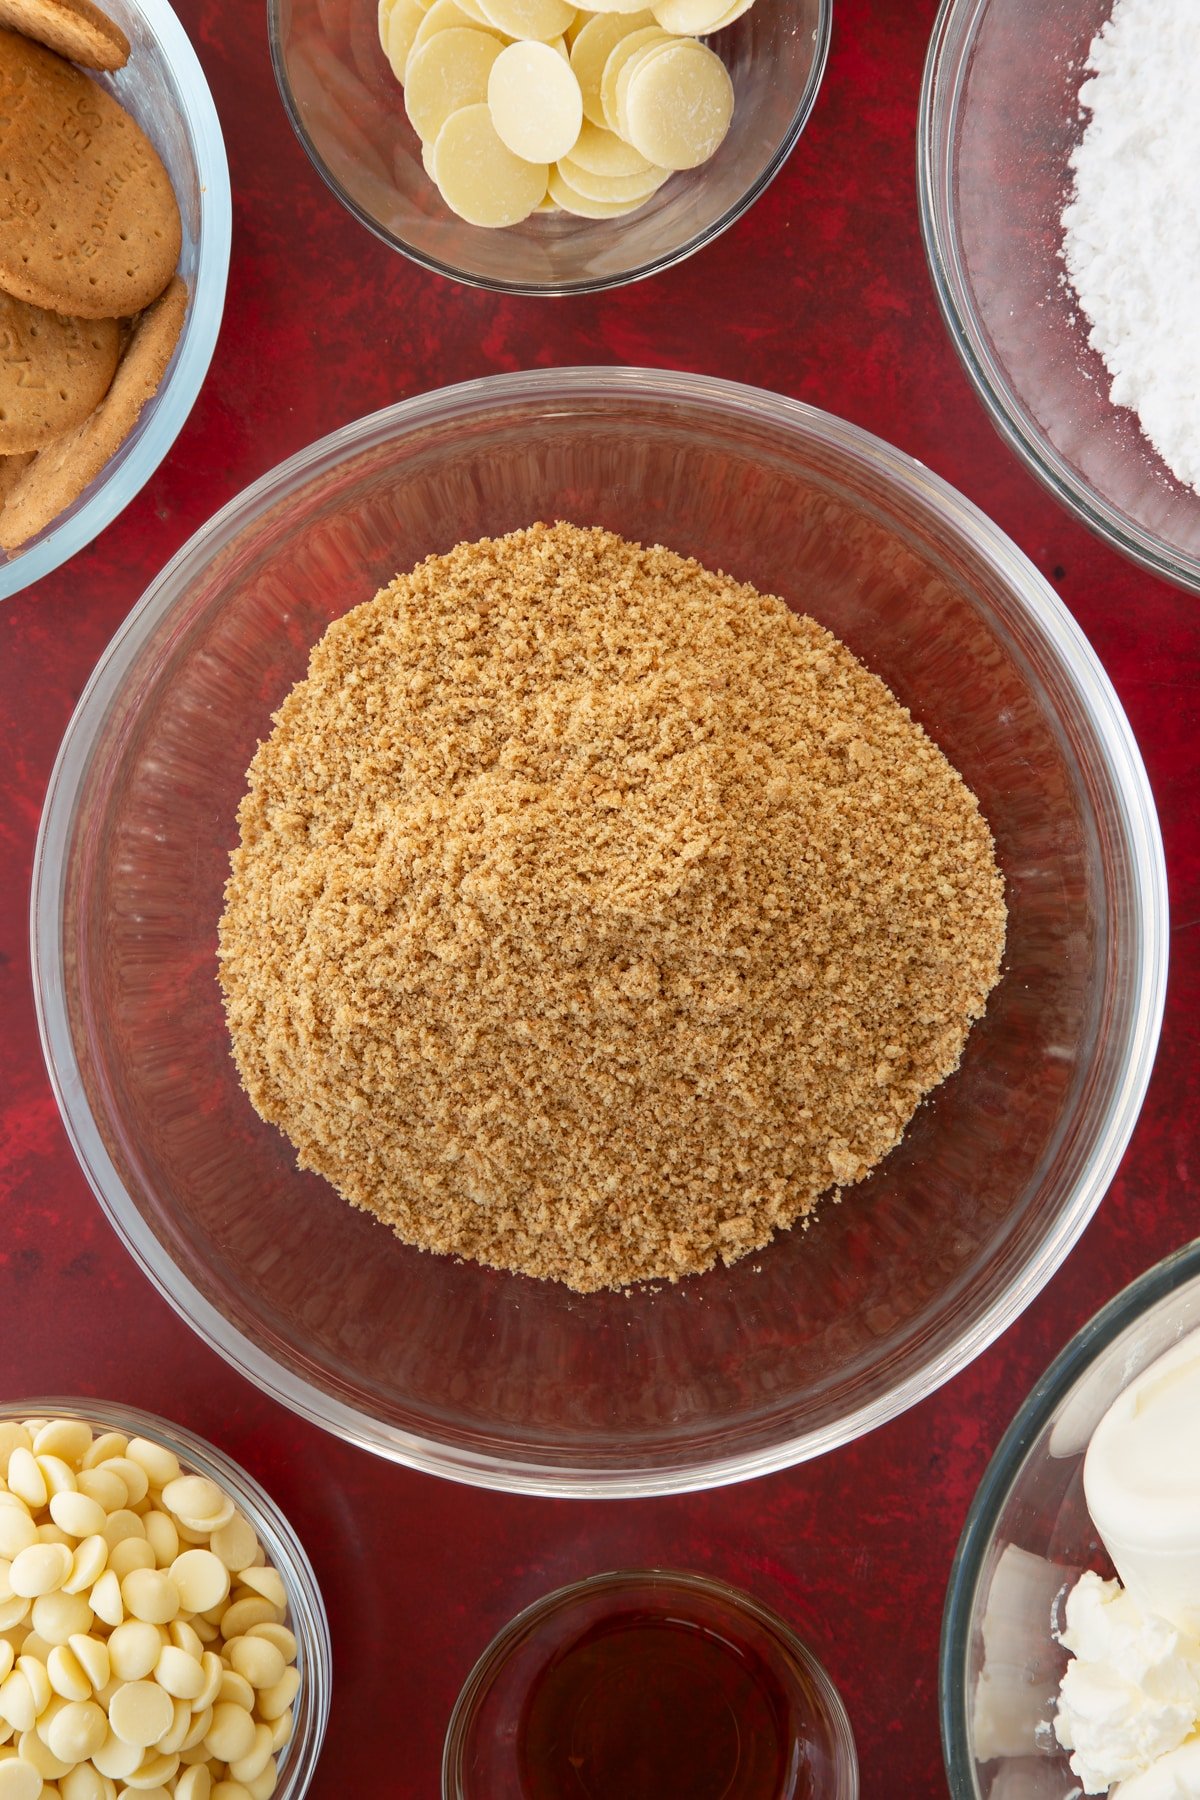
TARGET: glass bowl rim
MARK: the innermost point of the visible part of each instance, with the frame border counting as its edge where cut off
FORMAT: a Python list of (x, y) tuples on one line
[(585, 284), (942, 88), (489, 1663), (1001, 1475), (309, 1618), (175, 399), (557, 389)]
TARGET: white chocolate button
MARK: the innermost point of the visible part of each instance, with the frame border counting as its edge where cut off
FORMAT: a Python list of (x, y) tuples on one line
[(279, 1635), (231, 1734), (107, 1489), (150, 1595), (68, 1677), (117, 1759), (274, 1700), (140, 1712), (173, 1742), (446, 74), (105, 1599), (201, 1580), (133, 1650), (403, 20), (93, 1657), (152, 1773), (235, 1544), (628, 47), (120, 1525), (25, 1479), (574, 202), (87, 1565), (542, 19), (19, 1780), (78, 1731), (162, 1536), (16, 1702), (57, 1617), (70, 1439), (267, 1582), (193, 1497), (161, 1465), (130, 1554), (192, 1747), (40, 1756), (108, 1443), (126, 1469), (479, 178), (630, 190), (34, 1671), (194, 1784), (180, 1674), (689, 18), (260, 1663), (245, 1768), (264, 1785), (13, 1436), (17, 1531), (8, 1657), (535, 102), (39, 1570), (76, 1514), (592, 46), (214, 1669), (58, 1475), (678, 106), (83, 1783), (602, 152), (184, 1638), (281, 1730)]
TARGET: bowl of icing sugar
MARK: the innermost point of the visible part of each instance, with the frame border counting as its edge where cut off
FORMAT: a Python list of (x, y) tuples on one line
[(1057, 154)]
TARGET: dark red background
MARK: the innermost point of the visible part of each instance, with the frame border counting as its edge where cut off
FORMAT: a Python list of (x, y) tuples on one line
[(822, 291)]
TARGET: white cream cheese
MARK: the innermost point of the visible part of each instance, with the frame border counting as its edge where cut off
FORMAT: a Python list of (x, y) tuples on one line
[(1131, 1694)]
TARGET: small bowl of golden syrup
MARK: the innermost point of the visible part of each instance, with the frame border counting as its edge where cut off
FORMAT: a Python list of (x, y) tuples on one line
[(637, 1685)]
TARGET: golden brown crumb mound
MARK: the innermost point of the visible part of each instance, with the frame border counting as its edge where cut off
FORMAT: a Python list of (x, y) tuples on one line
[(594, 913)]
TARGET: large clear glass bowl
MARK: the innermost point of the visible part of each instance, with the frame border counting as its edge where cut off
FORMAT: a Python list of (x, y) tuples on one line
[(999, 118), (1027, 1539), (306, 1618), (163, 87), (348, 111), (491, 1377)]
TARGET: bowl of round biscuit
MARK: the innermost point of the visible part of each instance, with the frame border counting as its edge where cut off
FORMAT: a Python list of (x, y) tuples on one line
[(532, 147), (588, 1064), (106, 341)]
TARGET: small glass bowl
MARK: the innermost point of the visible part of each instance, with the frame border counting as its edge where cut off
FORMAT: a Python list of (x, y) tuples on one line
[(488, 1727), (1027, 1539), (347, 109), (490, 1377), (999, 119), (306, 1610), (163, 87)]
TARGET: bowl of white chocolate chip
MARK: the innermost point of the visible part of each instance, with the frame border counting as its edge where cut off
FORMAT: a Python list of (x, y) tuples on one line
[(161, 1629), (535, 146)]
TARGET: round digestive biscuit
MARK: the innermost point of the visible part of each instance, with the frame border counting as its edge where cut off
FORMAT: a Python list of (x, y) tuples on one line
[(89, 225), (543, 19), (479, 179), (678, 105), (75, 28), (535, 102), (53, 371), (11, 470), (446, 74), (59, 474)]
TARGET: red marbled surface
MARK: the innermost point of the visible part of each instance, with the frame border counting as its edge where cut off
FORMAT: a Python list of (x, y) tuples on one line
[(821, 291)]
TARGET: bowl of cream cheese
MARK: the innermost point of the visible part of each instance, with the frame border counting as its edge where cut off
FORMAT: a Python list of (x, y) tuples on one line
[(1070, 1656), (1056, 155)]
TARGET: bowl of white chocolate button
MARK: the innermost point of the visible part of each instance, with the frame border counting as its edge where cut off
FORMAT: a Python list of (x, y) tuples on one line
[(161, 1629), (533, 146)]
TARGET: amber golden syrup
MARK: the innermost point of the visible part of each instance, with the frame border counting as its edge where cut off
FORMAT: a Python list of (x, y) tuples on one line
[(660, 1706)]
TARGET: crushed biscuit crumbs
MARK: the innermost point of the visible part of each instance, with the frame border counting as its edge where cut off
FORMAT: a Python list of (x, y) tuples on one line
[(594, 913)]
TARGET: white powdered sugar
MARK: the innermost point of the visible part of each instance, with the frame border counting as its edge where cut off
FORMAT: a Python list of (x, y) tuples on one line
[(1132, 228)]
